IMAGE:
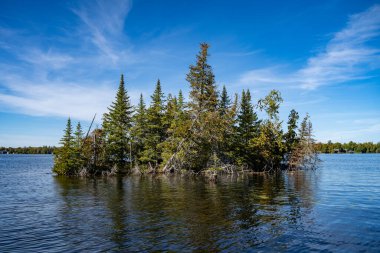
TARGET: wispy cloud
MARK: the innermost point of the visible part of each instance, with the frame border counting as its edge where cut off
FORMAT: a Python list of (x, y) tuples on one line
[(103, 23), (55, 82), (49, 59), (348, 56), (58, 99)]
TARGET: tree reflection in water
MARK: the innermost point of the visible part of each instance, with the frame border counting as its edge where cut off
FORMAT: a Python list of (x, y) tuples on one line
[(181, 213)]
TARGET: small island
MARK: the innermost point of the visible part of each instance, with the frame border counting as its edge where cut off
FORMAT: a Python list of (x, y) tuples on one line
[(209, 134)]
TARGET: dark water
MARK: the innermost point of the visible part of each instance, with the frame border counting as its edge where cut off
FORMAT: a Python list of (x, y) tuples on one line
[(336, 208)]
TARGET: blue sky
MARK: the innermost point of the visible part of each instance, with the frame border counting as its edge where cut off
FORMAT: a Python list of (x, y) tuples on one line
[(64, 58)]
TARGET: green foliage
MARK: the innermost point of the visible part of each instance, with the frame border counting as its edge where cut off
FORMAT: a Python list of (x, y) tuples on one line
[(206, 132), (138, 130), (247, 129), (117, 125), (65, 160), (268, 147), (270, 104), (248, 124), (269, 143), (28, 150), (350, 147), (206, 128), (303, 153), (203, 92), (178, 123), (155, 128), (225, 102), (290, 136)]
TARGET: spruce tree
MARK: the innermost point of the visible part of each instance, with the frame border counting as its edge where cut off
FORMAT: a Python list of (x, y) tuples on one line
[(65, 156), (228, 113), (203, 92), (247, 119), (78, 140), (181, 101), (290, 136), (68, 140), (225, 102), (247, 128), (117, 130), (205, 133), (155, 128), (139, 129), (78, 135)]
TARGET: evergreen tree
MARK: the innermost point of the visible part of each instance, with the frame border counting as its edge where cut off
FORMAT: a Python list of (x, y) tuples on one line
[(205, 133), (290, 137), (208, 132), (155, 128), (139, 129), (224, 102), (248, 123), (78, 140), (170, 112), (65, 158), (68, 140), (117, 130), (228, 114), (78, 135), (247, 128), (181, 101), (202, 82)]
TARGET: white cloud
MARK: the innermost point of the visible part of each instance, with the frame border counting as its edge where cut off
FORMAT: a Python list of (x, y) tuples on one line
[(346, 57), (51, 82), (104, 23), (49, 59)]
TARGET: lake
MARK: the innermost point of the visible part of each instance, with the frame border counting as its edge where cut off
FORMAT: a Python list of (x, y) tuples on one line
[(333, 209)]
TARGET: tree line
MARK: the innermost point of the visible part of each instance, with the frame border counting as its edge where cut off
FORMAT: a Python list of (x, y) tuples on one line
[(350, 147), (28, 150), (210, 131)]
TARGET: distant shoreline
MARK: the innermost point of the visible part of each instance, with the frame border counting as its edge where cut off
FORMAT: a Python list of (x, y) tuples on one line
[(28, 150)]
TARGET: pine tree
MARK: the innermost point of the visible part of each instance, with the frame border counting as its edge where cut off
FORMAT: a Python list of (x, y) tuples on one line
[(225, 102), (139, 129), (202, 82), (65, 158), (247, 128), (207, 132), (117, 130), (206, 129), (228, 113), (290, 137), (247, 119), (155, 128), (181, 101), (78, 135), (170, 112), (78, 140)]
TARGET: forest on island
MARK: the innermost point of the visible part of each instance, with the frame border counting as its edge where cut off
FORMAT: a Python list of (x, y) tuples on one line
[(209, 132), (329, 147)]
